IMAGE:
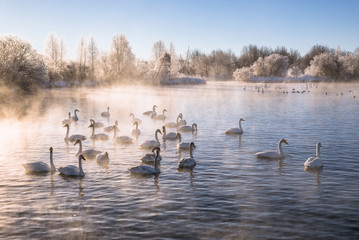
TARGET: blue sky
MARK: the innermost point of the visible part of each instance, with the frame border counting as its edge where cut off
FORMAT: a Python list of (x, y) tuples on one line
[(197, 24)]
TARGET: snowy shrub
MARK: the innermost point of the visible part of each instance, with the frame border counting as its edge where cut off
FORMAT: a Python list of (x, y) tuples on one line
[(294, 71), (325, 65), (243, 74), (274, 65)]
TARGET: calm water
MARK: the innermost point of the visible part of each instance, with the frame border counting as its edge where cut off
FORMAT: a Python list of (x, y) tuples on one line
[(229, 195)]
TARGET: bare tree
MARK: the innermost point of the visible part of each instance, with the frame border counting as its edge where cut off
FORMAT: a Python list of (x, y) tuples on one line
[(53, 51), (93, 57), (82, 56), (158, 49)]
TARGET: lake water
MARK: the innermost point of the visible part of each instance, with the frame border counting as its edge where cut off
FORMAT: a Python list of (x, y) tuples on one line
[(230, 194)]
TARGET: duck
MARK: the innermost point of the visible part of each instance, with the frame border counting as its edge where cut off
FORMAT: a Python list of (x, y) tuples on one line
[(149, 112), (121, 139), (73, 171), (174, 124), (96, 124), (135, 119), (149, 158), (98, 136), (136, 131), (75, 118), (102, 158), (40, 167), (273, 154), (188, 162), (110, 128), (236, 130), (106, 114), (315, 162), (182, 145), (168, 136), (74, 137), (68, 120), (152, 143), (187, 128), (89, 153), (144, 169), (161, 116)]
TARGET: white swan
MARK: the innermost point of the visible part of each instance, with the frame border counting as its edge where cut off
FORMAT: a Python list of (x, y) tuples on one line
[(68, 120), (110, 128), (149, 112), (106, 114), (89, 153), (71, 170), (98, 136), (74, 137), (136, 131), (315, 162), (153, 113), (75, 118), (102, 158), (273, 154), (174, 124), (40, 167), (187, 128), (182, 145), (161, 116), (168, 136), (143, 169), (96, 124), (188, 162), (135, 119), (152, 143), (121, 139), (149, 158), (181, 122), (236, 130)]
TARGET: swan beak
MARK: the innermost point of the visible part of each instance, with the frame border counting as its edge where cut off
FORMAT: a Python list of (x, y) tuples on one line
[(286, 142)]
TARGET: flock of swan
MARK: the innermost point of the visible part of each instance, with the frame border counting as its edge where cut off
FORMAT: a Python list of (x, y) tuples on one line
[(150, 160)]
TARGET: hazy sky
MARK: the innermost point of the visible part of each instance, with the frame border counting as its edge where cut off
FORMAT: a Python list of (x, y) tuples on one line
[(198, 24)]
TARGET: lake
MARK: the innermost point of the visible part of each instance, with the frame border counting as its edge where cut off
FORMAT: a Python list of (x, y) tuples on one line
[(230, 194)]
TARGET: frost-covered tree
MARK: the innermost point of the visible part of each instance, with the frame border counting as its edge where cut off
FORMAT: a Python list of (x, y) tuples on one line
[(325, 65), (93, 55), (162, 68), (52, 51), (20, 65), (350, 66), (314, 51), (274, 65), (294, 71), (121, 58), (158, 49), (174, 61), (244, 74), (82, 58)]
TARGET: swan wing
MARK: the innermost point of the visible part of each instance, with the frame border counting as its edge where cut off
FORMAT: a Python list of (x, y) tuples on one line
[(269, 154), (187, 163), (183, 145), (313, 162), (76, 137), (143, 170), (234, 131), (150, 144), (171, 125), (36, 167), (69, 170)]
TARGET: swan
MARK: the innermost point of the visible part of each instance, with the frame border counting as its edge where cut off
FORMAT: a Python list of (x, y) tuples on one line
[(71, 170), (152, 143), (40, 167), (149, 112), (143, 169), (273, 154), (182, 122), (74, 137), (96, 124), (102, 158), (182, 145), (135, 119), (89, 153), (187, 128), (236, 130), (109, 128), (315, 162), (149, 158), (168, 136), (106, 114), (98, 136), (136, 131), (174, 124), (188, 162), (161, 116), (153, 113), (67, 121), (121, 139), (75, 118)]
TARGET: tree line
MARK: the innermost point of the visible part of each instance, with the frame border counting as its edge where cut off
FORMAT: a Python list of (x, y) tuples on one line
[(24, 68)]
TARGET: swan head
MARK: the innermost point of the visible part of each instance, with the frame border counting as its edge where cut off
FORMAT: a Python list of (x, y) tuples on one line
[(76, 110), (81, 157), (106, 155), (116, 123), (192, 145), (66, 125), (108, 108), (164, 129), (178, 135), (284, 141), (154, 106), (92, 121), (50, 149), (164, 110), (241, 119), (319, 144), (131, 115), (194, 126), (158, 131), (157, 149), (91, 125), (77, 141), (180, 115)]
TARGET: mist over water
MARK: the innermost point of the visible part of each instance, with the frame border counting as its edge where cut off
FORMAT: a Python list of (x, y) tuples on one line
[(230, 194)]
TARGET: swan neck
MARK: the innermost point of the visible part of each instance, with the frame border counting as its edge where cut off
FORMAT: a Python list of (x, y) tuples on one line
[(156, 137), (114, 132), (318, 151), (156, 163), (80, 166), (67, 131), (280, 149), (93, 131), (240, 125), (191, 151), (75, 114), (52, 163), (80, 147)]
